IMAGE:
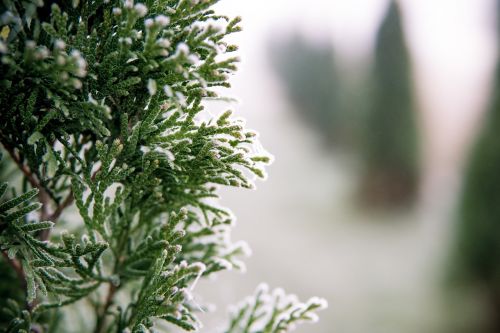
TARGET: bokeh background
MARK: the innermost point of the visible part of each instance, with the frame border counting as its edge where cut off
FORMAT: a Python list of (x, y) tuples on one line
[(384, 196)]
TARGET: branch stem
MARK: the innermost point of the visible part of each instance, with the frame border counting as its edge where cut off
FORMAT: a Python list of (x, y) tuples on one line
[(101, 317)]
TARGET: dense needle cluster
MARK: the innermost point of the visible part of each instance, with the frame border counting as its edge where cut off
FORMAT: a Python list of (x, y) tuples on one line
[(112, 200)]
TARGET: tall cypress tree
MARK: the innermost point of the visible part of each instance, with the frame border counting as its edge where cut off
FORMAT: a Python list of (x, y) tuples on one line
[(478, 239), (390, 136)]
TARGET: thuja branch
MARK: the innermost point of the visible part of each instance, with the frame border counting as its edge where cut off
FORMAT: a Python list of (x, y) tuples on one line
[(43, 196), (103, 104)]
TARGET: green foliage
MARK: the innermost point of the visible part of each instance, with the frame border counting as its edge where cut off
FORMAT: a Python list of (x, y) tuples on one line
[(477, 244), (390, 149), (479, 210), (46, 265), (273, 312), (103, 111), (10, 291)]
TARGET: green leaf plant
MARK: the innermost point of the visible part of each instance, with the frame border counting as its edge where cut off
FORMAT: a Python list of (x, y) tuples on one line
[(112, 207)]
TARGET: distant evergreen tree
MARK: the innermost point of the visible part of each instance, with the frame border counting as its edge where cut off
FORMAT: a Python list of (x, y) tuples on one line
[(312, 81), (390, 152), (478, 241)]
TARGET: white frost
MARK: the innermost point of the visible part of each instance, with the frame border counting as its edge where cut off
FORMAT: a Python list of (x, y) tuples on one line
[(152, 87), (141, 9), (162, 20)]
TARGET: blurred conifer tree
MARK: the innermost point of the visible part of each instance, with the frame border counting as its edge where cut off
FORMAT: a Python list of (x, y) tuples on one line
[(478, 239), (315, 85), (390, 152)]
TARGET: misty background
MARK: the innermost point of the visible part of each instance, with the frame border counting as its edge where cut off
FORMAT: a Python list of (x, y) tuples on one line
[(380, 198)]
